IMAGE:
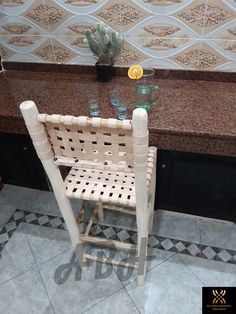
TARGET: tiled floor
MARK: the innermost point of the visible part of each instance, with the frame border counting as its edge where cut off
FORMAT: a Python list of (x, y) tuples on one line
[(36, 256)]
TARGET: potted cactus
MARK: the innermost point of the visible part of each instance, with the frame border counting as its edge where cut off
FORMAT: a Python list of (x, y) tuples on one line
[(105, 43)]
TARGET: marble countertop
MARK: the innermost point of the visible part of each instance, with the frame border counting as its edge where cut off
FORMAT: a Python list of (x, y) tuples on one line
[(190, 115)]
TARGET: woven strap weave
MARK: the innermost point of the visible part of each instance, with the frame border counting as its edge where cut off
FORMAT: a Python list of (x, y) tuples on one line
[(91, 139), (105, 186)]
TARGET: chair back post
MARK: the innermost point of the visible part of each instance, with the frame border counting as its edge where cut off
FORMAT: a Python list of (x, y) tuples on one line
[(43, 148), (140, 151), (36, 130)]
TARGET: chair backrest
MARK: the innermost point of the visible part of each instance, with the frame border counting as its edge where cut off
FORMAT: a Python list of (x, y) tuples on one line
[(105, 143)]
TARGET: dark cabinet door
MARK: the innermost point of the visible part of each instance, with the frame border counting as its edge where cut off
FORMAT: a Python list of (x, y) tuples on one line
[(197, 184), (19, 164)]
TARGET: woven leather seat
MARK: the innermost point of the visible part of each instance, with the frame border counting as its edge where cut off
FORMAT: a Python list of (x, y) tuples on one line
[(105, 186), (110, 164)]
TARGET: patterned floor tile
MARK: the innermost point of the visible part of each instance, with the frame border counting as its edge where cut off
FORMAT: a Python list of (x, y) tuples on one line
[(119, 234)]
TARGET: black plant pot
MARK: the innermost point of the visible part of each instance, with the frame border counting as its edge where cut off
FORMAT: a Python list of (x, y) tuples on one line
[(104, 72)]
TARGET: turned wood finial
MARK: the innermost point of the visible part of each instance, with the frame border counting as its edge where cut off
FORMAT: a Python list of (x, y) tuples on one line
[(29, 112), (140, 122), (36, 130)]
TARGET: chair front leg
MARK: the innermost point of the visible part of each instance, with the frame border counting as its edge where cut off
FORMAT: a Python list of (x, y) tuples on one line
[(152, 189), (150, 211), (45, 153), (142, 217)]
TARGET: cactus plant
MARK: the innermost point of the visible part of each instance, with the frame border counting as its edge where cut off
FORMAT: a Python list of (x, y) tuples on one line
[(105, 43)]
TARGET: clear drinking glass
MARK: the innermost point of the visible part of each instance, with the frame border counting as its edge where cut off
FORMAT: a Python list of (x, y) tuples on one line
[(94, 107), (114, 97), (122, 110), (146, 90)]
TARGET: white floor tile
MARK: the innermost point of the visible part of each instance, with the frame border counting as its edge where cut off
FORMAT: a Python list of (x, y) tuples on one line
[(76, 296), (211, 273), (25, 294), (169, 288)]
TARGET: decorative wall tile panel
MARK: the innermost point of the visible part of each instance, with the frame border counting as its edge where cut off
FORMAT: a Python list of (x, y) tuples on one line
[(160, 63), (62, 54), (37, 14), (85, 60), (226, 47), (21, 41), (72, 32), (187, 34), (25, 57), (217, 14), (161, 30), (228, 67), (110, 14), (80, 2), (73, 44), (16, 28), (209, 58), (162, 2), (232, 31), (46, 52), (73, 41), (161, 27), (121, 14), (162, 37), (19, 26), (194, 15), (4, 51), (162, 7), (11, 3), (129, 55), (159, 47), (228, 31), (201, 57), (81, 7), (189, 58), (161, 44), (55, 14), (79, 30)]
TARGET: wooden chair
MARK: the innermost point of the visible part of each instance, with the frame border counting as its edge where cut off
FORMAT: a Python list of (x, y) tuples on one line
[(110, 162)]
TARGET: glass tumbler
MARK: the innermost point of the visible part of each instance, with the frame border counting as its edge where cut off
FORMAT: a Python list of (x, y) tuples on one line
[(122, 110), (94, 107), (114, 97)]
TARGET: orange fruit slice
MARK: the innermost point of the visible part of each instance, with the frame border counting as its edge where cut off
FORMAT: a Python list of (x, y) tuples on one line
[(135, 72)]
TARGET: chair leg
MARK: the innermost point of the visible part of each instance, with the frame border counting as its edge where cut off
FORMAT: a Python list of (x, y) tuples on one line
[(152, 189), (140, 151), (45, 153), (142, 217), (58, 187), (151, 211), (142, 247), (100, 211), (145, 223)]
